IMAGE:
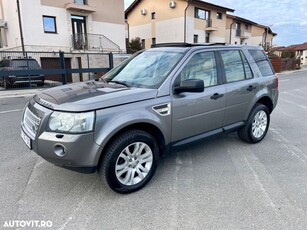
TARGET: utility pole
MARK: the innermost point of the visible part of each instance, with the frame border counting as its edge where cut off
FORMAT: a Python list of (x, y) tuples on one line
[(20, 27)]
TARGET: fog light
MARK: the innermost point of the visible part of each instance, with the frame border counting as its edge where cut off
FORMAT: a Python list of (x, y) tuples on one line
[(60, 150)]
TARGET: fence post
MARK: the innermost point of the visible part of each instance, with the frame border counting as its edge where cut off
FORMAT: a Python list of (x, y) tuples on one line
[(111, 63), (28, 67), (62, 62)]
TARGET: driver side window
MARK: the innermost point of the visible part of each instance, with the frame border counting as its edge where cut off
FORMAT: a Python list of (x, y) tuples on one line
[(201, 66)]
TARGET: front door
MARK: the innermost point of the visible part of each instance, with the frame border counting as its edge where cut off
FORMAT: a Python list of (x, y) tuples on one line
[(197, 113), (79, 36)]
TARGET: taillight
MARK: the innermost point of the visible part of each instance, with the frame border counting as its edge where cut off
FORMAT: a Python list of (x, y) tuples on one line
[(276, 81)]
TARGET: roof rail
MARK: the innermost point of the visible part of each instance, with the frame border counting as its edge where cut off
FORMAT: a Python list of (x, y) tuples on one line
[(182, 44)]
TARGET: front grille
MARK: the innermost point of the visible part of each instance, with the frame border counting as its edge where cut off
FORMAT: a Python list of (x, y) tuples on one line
[(31, 122)]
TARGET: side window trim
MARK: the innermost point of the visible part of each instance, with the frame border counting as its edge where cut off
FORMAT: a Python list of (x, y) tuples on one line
[(248, 65)]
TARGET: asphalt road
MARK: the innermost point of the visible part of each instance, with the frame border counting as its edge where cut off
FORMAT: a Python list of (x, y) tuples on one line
[(222, 183)]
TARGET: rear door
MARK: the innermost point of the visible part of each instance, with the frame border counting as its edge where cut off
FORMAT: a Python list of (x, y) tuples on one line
[(240, 85), (196, 113)]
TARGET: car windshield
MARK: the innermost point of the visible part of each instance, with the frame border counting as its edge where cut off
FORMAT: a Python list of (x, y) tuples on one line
[(147, 69), (24, 64)]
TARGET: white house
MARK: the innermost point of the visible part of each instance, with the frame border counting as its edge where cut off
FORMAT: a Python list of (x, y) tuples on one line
[(67, 25)]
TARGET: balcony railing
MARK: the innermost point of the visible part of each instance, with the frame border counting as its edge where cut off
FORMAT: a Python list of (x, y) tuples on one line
[(238, 32), (209, 26), (94, 42), (80, 5), (209, 23), (242, 33), (80, 2)]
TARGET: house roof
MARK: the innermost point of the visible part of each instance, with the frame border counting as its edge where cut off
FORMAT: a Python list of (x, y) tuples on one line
[(136, 2), (277, 48), (241, 19), (301, 47)]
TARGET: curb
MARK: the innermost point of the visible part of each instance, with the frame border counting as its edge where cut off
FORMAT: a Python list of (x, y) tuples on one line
[(19, 93)]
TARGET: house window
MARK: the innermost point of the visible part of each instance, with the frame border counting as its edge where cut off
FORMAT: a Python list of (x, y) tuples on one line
[(238, 29), (219, 15), (207, 37), (153, 41), (153, 15), (202, 14), (195, 40), (49, 24), (143, 43), (246, 27)]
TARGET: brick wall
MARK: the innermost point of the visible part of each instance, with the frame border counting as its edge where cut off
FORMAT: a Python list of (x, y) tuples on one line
[(284, 64)]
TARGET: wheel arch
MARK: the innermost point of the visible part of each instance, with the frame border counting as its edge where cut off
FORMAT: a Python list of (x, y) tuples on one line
[(267, 101), (146, 127)]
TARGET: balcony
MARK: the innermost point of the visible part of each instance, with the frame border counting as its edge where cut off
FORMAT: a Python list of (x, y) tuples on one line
[(93, 42), (209, 27), (241, 34), (80, 6)]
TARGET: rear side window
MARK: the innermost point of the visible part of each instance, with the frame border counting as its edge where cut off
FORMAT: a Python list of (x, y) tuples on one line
[(262, 62), (236, 66)]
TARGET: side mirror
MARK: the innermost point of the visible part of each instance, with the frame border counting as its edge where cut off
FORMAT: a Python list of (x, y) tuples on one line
[(190, 85)]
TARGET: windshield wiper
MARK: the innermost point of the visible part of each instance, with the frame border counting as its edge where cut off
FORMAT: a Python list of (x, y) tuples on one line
[(119, 82)]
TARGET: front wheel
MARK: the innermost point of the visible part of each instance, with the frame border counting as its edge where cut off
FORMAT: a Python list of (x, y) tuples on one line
[(130, 161), (256, 126)]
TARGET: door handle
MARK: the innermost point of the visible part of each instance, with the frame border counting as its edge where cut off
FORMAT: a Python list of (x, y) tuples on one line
[(251, 88), (216, 96)]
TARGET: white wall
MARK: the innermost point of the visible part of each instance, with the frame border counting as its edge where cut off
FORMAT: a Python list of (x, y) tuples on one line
[(170, 30), (114, 32), (142, 31), (33, 28), (12, 34)]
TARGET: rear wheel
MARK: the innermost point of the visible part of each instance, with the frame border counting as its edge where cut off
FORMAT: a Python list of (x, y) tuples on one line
[(41, 83), (130, 161), (256, 126)]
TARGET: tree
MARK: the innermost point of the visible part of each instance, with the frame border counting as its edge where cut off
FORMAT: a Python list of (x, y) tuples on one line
[(288, 54), (134, 45)]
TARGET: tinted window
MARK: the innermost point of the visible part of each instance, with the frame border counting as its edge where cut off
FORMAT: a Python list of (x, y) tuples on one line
[(24, 64), (234, 68), (262, 62), (201, 66)]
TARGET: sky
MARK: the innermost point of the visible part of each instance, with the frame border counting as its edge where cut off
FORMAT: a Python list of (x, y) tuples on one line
[(287, 18)]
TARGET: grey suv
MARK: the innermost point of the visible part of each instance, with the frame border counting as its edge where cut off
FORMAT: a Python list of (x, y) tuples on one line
[(160, 98), (20, 63)]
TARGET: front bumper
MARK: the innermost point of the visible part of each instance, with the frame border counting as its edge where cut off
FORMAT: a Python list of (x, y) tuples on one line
[(25, 79), (77, 152)]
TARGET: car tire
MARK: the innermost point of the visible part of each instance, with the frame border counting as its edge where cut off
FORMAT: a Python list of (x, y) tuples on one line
[(257, 125), (41, 83), (130, 161), (6, 85)]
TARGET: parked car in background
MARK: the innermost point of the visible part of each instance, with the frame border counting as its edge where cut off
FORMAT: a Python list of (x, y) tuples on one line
[(20, 63), (159, 99)]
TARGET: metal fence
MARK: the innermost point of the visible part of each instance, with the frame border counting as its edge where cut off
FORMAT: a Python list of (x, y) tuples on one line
[(47, 69)]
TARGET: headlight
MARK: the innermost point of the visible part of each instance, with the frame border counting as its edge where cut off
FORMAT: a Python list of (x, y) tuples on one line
[(71, 122)]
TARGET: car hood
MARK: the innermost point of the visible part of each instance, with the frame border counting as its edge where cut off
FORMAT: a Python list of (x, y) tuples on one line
[(92, 95)]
